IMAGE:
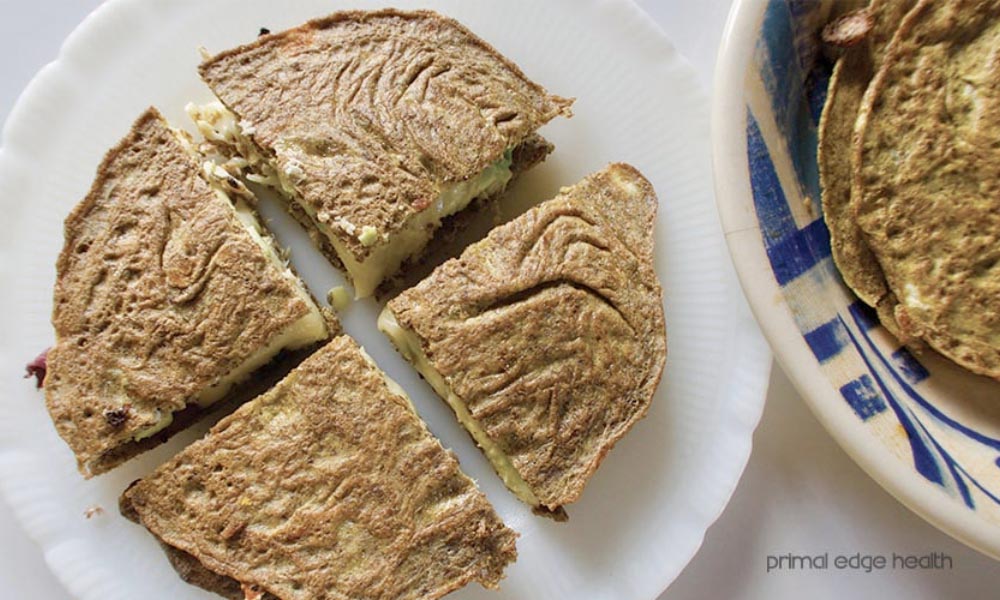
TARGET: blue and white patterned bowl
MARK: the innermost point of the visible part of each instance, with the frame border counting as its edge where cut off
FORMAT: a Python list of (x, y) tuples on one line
[(926, 430)]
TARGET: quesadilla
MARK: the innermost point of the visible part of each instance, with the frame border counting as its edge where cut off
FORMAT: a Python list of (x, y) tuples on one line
[(327, 486), (167, 295), (547, 338), (375, 126)]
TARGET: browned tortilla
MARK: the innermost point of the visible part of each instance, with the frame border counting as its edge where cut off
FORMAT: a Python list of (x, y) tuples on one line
[(327, 486), (375, 111), (851, 75), (926, 180), (551, 330), (525, 156), (160, 291)]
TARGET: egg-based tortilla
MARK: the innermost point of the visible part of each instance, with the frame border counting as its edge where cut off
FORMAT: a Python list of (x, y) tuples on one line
[(926, 189), (851, 76), (547, 338)]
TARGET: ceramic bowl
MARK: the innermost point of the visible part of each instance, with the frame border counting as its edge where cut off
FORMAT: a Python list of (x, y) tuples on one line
[(925, 429)]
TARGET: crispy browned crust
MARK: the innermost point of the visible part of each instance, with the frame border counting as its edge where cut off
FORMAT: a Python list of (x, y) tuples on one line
[(925, 179), (260, 382), (187, 566), (551, 330), (851, 75), (328, 486), (159, 292), (378, 110), (195, 573)]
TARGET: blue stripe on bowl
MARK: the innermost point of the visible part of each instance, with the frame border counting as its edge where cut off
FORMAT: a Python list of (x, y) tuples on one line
[(864, 315), (773, 214), (782, 60), (878, 380), (923, 457), (909, 366), (787, 52), (827, 340), (792, 251), (800, 251), (861, 394)]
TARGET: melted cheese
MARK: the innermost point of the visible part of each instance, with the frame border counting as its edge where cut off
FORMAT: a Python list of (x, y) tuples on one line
[(308, 329), (220, 125), (385, 259), (408, 344)]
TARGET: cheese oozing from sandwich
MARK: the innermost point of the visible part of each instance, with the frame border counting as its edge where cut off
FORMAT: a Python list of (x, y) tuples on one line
[(308, 329), (389, 249), (408, 344)]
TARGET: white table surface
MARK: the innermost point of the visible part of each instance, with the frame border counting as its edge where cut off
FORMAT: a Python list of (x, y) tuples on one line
[(800, 493)]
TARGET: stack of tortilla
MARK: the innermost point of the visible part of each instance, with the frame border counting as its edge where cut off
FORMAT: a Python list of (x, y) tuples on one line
[(909, 155)]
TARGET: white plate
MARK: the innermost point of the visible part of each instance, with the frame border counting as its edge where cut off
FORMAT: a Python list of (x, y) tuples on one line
[(645, 512)]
